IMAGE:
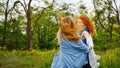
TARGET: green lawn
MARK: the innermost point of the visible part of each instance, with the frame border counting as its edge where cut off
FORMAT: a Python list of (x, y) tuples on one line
[(43, 59)]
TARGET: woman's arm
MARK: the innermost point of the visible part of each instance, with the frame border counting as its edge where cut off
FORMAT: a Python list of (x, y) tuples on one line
[(81, 46), (88, 38), (75, 45)]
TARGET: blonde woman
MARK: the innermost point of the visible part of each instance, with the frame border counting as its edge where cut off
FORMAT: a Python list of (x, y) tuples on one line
[(72, 50)]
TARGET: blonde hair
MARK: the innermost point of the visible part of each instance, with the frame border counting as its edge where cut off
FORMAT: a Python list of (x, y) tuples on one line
[(67, 29)]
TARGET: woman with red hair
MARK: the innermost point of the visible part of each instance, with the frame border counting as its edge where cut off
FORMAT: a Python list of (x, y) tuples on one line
[(87, 30)]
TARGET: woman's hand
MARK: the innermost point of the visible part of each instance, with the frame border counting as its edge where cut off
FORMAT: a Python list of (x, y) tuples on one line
[(90, 47)]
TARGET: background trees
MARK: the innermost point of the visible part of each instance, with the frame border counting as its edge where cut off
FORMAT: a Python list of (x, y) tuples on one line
[(106, 15), (28, 21), (32, 24)]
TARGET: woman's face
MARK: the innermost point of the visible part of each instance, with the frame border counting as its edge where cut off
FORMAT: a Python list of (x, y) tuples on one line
[(80, 24)]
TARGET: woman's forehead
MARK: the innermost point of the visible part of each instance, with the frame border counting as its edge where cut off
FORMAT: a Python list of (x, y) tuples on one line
[(79, 20)]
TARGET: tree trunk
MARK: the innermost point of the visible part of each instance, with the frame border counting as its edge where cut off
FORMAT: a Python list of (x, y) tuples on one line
[(7, 11), (118, 20), (29, 31), (5, 25), (4, 31)]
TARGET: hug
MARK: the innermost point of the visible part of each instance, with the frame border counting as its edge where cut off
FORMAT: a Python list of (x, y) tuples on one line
[(76, 44)]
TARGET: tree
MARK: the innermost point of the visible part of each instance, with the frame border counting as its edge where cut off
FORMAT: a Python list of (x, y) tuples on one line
[(46, 30), (7, 11), (105, 15), (28, 12), (16, 39), (117, 10)]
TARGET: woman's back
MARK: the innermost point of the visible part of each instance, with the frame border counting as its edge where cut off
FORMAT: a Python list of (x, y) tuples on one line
[(71, 55)]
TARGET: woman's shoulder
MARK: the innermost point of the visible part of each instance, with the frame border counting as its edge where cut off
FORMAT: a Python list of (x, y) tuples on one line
[(64, 40), (86, 30), (86, 33)]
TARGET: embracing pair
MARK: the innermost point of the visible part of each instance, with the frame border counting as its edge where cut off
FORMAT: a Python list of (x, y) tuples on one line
[(76, 44)]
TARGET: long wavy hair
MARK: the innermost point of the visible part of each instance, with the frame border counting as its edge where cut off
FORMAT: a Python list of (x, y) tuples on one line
[(67, 29), (88, 23)]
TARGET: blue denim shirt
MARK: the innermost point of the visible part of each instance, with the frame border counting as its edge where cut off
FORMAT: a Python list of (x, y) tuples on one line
[(71, 55)]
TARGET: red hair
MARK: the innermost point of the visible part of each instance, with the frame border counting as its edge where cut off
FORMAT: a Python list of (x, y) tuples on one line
[(88, 23)]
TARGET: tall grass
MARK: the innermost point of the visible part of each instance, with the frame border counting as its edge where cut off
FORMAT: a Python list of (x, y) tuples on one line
[(43, 59), (26, 59), (110, 58)]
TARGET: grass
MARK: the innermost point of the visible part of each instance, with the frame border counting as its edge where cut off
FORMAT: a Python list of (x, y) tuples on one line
[(110, 58), (43, 59), (26, 59)]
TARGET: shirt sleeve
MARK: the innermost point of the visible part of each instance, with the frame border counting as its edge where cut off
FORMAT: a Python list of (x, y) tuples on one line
[(88, 38), (89, 41), (81, 46)]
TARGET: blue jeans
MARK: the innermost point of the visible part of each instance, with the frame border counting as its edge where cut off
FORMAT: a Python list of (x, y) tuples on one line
[(87, 65)]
